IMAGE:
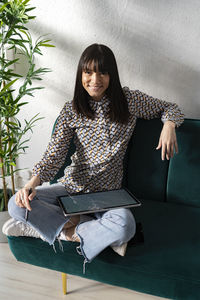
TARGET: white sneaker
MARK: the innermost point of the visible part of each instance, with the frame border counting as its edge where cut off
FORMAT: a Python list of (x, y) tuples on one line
[(17, 228), (121, 250)]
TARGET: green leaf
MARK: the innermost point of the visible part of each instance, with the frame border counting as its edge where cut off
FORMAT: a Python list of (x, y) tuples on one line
[(26, 33), (12, 47), (18, 41), (21, 27), (7, 86), (47, 45), (23, 103), (29, 9), (12, 164), (4, 6), (9, 33), (36, 78), (15, 74), (11, 123), (17, 170), (38, 51), (25, 2), (31, 17), (11, 62), (43, 41)]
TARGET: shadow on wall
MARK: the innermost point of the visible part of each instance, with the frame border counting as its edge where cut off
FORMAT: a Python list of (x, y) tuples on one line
[(154, 61), (157, 59), (70, 46)]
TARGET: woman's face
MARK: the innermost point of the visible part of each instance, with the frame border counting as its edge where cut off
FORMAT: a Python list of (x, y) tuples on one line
[(95, 83)]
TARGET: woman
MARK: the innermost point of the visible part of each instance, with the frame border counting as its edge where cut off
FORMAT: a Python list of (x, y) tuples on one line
[(101, 119)]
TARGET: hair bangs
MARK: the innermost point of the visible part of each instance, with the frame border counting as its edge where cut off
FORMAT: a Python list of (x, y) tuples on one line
[(96, 63)]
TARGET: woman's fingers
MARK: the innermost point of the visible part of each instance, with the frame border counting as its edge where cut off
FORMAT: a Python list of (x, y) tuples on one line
[(163, 151), (159, 144), (18, 199), (22, 198), (32, 194), (168, 150), (167, 142), (25, 199)]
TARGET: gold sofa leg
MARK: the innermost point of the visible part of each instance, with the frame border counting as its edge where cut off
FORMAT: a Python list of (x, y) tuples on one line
[(64, 283)]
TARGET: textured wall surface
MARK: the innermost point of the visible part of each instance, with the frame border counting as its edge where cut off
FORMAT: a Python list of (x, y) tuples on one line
[(156, 44)]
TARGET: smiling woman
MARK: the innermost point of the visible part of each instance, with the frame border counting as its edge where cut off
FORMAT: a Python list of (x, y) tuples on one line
[(101, 119), (95, 82)]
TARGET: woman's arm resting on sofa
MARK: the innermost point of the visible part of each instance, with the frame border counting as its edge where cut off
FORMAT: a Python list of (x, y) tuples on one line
[(168, 142)]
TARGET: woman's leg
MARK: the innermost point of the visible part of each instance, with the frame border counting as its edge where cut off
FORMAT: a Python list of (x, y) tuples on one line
[(70, 231), (112, 228), (46, 215), (69, 228)]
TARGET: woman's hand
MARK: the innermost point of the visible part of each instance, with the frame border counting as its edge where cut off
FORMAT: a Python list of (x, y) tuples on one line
[(23, 196), (168, 142)]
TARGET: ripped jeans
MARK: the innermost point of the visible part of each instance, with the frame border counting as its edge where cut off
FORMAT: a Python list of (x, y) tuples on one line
[(96, 231)]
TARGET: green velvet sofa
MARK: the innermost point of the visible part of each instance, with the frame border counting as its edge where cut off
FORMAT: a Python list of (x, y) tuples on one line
[(167, 264)]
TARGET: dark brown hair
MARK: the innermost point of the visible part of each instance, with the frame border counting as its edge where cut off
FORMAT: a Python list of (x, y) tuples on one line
[(104, 60)]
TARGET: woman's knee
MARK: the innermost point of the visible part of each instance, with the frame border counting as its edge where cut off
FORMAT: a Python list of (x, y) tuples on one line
[(14, 210), (11, 205), (122, 216), (124, 221)]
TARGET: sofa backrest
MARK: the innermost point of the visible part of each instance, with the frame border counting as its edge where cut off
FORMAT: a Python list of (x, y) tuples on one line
[(183, 184), (146, 173)]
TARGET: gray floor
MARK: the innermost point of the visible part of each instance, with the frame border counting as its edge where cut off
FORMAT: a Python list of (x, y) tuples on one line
[(19, 281)]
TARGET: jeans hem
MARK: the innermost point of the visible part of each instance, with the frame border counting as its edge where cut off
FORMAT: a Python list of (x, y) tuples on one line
[(80, 250), (81, 245)]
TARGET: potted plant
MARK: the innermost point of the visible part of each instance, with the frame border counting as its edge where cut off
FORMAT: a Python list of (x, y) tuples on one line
[(14, 87)]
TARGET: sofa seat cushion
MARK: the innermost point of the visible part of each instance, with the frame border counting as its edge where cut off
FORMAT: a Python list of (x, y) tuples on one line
[(166, 265)]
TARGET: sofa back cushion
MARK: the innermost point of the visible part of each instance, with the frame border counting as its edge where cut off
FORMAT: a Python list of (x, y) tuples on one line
[(183, 184), (146, 173)]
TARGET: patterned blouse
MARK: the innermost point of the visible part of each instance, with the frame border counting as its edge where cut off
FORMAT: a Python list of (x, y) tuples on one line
[(100, 144)]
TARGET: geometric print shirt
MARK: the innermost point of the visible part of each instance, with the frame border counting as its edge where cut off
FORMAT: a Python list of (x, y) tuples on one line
[(97, 163)]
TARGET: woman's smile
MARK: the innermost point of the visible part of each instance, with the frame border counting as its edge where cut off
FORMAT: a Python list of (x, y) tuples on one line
[(95, 88), (95, 82)]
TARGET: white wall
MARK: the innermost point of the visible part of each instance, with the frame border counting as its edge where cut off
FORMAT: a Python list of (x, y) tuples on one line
[(156, 44)]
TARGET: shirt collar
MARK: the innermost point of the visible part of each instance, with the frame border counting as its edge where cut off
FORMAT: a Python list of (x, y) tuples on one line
[(104, 101)]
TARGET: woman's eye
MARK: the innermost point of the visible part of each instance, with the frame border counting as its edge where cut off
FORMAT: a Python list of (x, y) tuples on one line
[(87, 71), (104, 73)]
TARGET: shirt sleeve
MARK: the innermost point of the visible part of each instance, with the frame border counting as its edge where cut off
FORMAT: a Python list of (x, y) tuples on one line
[(148, 107), (57, 148)]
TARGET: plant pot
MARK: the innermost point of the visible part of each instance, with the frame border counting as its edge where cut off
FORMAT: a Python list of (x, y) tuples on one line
[(4, 216)]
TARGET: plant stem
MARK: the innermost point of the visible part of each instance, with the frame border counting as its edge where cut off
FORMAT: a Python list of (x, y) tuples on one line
[(10, 157), (3, 177), (7, 119), (3, 171)]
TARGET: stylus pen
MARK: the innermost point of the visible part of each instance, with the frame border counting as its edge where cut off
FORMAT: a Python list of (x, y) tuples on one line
[(26, 215)]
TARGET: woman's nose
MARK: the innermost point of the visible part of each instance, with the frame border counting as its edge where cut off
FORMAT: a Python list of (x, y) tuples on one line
[(95, 78)]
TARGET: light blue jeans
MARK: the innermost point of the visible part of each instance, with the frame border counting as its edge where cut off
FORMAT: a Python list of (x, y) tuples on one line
[(96, 231)]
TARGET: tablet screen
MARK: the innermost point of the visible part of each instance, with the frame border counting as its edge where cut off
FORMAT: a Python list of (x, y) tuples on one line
[(99, 201)]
